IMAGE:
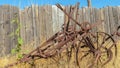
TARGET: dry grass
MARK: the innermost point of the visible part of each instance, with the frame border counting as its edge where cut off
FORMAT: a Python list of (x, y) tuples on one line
[(59, 63)]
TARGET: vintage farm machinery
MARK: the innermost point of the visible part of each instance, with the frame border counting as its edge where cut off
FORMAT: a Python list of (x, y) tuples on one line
[(100, 45)]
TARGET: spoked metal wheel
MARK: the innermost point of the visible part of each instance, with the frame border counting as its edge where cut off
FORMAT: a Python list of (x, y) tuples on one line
[(102, 51), (105, 48)]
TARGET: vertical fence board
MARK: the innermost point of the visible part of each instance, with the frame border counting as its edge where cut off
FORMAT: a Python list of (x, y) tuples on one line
[(103, 20), (107, 28), (92, 18), (97, 19), (111, 21), (29, 26), (80, 17), (49, 25), (115, 17), (37, 26), (42, 24), (118, 11), (54, 18), (6, 27), (34, 25), (60, 16), (14, 11), (2, 32), (23, 27), (57, 19)]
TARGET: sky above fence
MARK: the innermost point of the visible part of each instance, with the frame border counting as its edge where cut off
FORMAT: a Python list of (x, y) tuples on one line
[(83, 3)]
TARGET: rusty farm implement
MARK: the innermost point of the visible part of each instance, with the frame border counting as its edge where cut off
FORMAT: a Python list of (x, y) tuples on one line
[(100, 45)]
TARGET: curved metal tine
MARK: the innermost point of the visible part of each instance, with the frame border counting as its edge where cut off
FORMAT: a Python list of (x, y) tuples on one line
[(100, 60), (77, 60), (109, 54), (118, 28), (106, 51), (109, 58), (77, 52), (103, 39), (84, 55), (110, 49), (97, 40), (115, 49), (76, 18), (114, 44), (108, 42)]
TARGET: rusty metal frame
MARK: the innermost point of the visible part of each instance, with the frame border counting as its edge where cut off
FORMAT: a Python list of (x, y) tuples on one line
[(58, 43)]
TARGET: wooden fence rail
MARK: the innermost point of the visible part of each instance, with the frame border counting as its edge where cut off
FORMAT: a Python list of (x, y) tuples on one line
[(38, 23)]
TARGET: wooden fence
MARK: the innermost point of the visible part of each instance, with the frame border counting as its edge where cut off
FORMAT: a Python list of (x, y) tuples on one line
[(38, 23)]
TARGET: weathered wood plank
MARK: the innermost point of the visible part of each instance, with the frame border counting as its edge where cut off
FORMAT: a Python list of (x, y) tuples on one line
[(118, 11), (54, 18), (107, 28), (83, 14), (92, 17), (23, 31), (98, 20), (111, 20), (79, 18), (48, 22), (42, 24), (57, 19), (115, 17), (29, 24), (37, 25), (60, 16), (14, 11), (34, 25), (23, 26), (102, 18), (2, 32), (6, 27)]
